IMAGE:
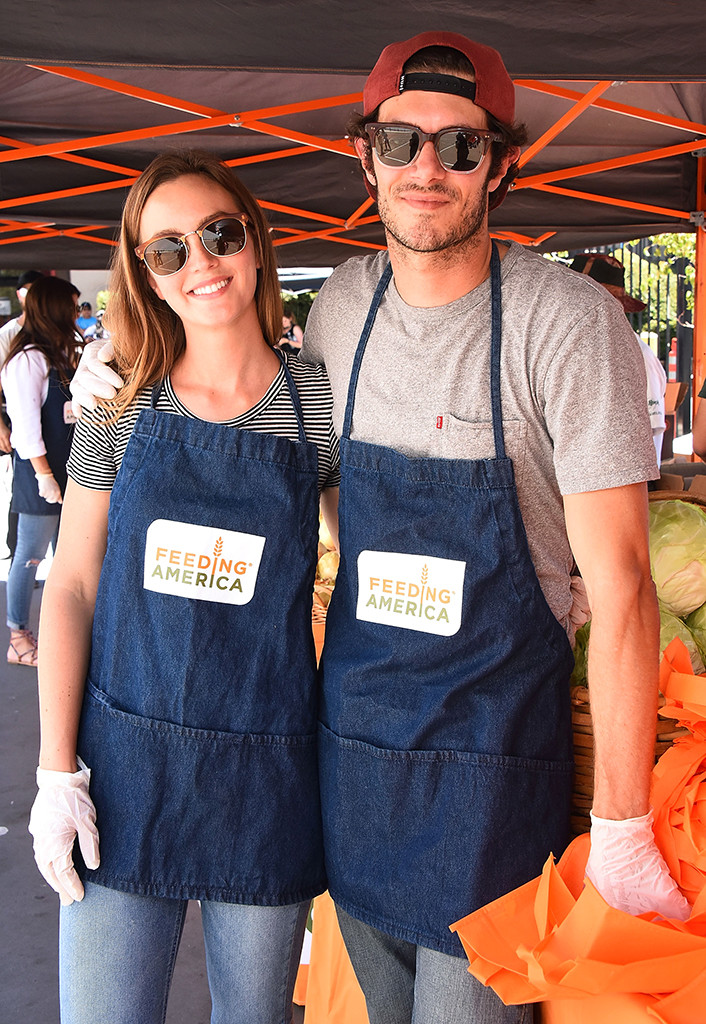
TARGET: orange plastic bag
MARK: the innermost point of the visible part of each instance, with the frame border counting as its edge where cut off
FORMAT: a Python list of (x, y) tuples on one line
[(679, 778), (333, 995), (555, 939)]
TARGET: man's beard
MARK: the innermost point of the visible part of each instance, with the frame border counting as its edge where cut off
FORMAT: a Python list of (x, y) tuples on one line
[(425, 235)]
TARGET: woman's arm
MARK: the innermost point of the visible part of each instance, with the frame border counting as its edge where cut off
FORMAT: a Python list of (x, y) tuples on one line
[(25, 384), (66, 622)]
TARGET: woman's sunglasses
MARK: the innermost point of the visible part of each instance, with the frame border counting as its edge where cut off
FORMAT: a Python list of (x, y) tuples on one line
[(166, 255), (458, 149)]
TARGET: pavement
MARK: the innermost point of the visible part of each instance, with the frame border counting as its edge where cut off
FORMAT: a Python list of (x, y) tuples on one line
[(30, 908)]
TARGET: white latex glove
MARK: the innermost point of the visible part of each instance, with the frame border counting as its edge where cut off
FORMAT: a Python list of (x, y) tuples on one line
[(93, 379), (62, 811), (628, 870), (49, 488), (580, 611)]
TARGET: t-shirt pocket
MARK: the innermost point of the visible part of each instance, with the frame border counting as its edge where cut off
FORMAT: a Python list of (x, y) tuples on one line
[(463, 439)]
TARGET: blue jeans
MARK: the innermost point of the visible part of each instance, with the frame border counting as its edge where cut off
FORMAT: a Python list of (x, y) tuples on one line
[(117, 952), (34, 535), (408, 984)]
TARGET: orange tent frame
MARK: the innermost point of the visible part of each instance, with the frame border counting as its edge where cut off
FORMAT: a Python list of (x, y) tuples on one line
[(335, 229)]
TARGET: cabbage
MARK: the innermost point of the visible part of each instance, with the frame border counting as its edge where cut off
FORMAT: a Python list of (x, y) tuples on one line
[(579, 677), (697, 626), (678, 555), (671, 626)]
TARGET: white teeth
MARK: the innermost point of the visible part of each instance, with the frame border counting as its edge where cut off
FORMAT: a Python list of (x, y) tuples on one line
[(210, 288)]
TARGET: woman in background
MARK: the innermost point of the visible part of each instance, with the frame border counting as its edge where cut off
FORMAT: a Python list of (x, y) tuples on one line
[(35, 379)]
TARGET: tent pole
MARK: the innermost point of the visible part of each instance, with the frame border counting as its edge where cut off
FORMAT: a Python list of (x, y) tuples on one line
[(700, 285)]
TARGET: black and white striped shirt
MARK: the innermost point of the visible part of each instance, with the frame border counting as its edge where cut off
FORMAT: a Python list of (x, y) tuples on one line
[(98, 448)]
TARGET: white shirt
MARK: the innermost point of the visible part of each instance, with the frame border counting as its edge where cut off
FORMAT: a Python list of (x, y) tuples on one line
[(8, 333), (25, 383), (656, 388)]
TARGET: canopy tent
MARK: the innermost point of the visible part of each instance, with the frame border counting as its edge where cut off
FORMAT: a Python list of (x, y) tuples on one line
[(614, 97)]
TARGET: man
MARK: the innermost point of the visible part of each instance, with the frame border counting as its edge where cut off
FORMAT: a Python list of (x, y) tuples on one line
[(610, 273), (474, 468)]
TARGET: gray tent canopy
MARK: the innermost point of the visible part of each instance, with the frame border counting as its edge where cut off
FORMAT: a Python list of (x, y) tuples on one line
[(616, 98)]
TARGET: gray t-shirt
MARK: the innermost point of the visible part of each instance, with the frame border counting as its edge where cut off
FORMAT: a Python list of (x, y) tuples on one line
[(573, 386)]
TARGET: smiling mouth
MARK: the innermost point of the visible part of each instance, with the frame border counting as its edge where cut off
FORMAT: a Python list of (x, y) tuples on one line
[(211, 289)]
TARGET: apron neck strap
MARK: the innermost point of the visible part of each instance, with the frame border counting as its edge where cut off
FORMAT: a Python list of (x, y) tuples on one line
[(496, 320), (495, 346), (294, 394), (367, 328)]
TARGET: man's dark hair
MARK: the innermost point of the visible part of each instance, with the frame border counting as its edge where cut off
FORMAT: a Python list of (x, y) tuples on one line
[(446, 61)]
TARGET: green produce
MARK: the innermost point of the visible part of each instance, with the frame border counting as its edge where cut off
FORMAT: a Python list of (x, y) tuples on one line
[(678, 555), (671, 626), (697, 625)]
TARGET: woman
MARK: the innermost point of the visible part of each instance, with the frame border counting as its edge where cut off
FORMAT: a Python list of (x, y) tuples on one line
[(292, 334), (35, 381), (197, 718)]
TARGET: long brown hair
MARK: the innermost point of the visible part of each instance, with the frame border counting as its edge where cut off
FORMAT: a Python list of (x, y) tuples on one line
[(147, 335), (50, 324)]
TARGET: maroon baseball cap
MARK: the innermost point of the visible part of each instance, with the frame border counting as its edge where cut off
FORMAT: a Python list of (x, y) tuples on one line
[(609, 272), (494, 90)]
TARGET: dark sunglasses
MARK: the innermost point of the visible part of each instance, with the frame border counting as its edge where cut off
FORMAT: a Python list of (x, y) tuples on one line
[(458, 149), (167, 254)]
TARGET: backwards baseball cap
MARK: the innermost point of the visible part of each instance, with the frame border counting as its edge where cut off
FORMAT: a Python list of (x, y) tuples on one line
[(609, 272), (492, 90)]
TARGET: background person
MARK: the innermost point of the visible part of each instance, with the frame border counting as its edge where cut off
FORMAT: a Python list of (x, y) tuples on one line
[(7, 333), (198, 713), (610, 273), (292, 334), (85, 318), (35, 379)]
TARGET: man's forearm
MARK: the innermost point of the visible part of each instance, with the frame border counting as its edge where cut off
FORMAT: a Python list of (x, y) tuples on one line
[(623, 682)]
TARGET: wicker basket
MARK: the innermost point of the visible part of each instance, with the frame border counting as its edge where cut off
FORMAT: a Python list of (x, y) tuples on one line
[(582, 797)]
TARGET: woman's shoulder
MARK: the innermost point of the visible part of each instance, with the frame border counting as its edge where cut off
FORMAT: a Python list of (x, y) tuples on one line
[(311, 375)]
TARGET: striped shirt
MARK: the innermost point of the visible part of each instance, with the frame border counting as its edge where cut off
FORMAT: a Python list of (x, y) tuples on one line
[(98, 447)]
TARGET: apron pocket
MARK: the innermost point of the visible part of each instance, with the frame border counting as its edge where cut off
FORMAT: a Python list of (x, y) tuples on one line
[(197, 814), (417, 839)]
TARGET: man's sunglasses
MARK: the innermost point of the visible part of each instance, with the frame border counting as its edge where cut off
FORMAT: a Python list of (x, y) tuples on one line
[(458, 149), (167, 254)]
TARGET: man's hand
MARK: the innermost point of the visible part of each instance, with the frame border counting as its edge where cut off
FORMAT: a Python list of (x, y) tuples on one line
[(628, 870), (93, 378)]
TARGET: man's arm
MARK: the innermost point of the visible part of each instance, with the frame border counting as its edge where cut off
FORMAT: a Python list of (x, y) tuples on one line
[(608, 532)]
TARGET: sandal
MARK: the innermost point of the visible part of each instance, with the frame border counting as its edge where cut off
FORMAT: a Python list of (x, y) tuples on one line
[(23, 648)]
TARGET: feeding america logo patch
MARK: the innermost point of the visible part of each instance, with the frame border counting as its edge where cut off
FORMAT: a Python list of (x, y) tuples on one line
[(201, 562), (411, 591)]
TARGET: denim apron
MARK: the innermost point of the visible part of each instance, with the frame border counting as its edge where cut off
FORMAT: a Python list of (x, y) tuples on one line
[(57, 431), (199, 718), (445, 736)]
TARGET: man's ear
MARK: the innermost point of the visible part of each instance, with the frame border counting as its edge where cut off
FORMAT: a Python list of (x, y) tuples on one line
[(365, 155)]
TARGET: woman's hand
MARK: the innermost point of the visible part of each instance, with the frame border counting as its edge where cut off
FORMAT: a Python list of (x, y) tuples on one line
[(48, 488), (93, 378), (63, 811)]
